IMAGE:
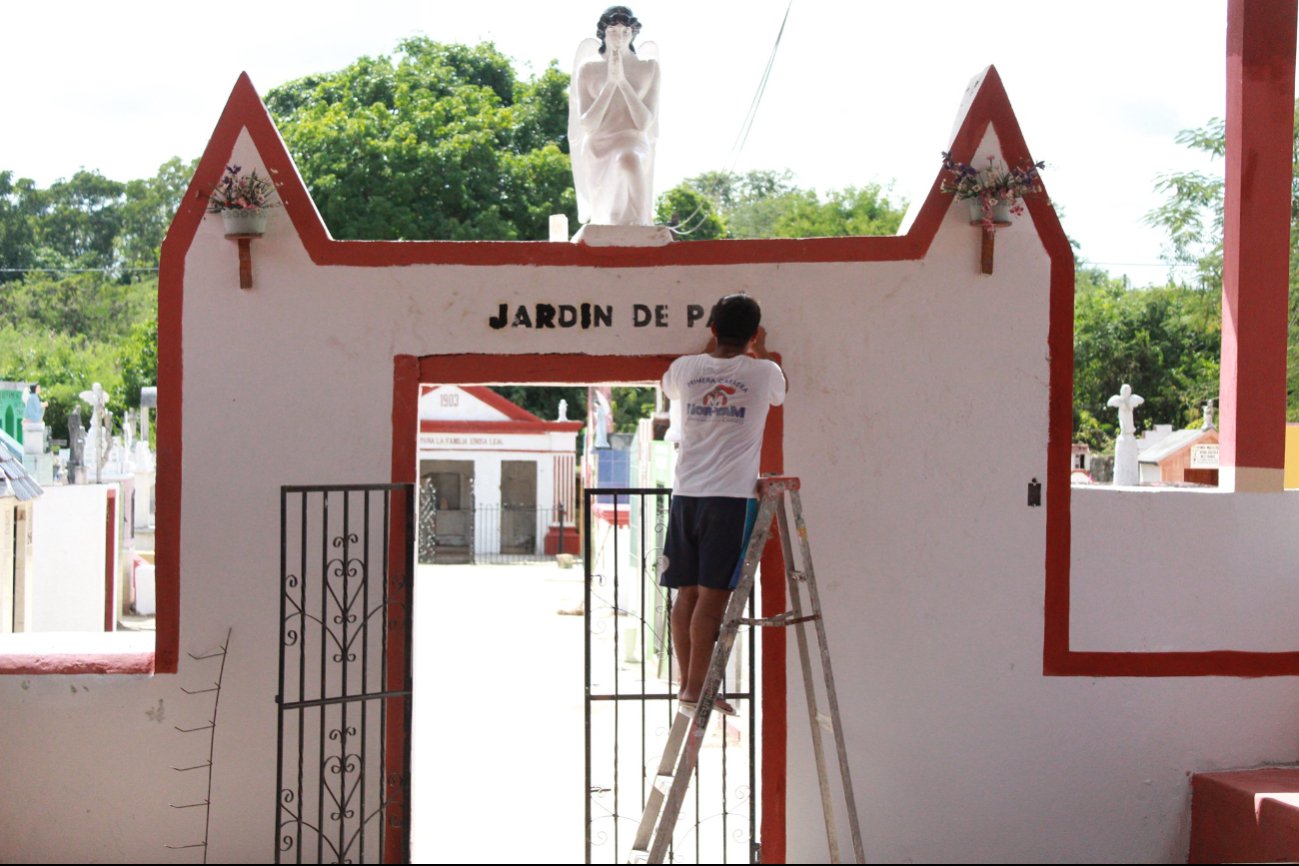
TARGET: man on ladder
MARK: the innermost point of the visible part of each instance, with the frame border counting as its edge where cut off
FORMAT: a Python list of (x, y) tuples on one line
[(716, 535), (724, 394)]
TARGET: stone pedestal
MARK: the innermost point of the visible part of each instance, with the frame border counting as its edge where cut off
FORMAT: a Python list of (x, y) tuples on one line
[(1127, 471), (33, 437), (623, 236), (39, 466)]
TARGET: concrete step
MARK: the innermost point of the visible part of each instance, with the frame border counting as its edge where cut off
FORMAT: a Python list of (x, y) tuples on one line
[(1245, 816)]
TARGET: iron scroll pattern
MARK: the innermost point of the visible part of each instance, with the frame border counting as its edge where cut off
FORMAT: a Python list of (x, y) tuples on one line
[(344, 701)]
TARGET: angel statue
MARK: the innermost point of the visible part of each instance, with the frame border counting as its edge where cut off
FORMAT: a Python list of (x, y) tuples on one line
[(613, 108)]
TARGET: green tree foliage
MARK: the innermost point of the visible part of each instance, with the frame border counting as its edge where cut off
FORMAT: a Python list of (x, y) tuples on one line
[(17, 233), (855, 211), (88, 222), (137, 358), (78, 289), (147, 210), (629, 406), (68, 333), (767, 204), (64, 365), (544, 401), (689, 212), (1161, 340), (1193, 216), (84, 304), (439, 142)]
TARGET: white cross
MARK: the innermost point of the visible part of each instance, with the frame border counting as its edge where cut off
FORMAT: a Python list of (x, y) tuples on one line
[(1125, 401)]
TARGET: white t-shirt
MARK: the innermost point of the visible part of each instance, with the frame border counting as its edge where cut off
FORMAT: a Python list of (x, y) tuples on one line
[(724, 404)]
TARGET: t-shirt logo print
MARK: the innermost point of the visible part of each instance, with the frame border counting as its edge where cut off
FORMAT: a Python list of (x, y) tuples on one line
[(715, 405), (718, 396)]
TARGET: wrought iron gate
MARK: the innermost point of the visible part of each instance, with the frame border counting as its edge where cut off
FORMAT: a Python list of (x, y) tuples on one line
[(343, 770), (631, 695)]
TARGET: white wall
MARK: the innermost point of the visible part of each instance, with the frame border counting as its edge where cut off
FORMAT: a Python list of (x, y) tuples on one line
[(66, 578), (8, 561), (930, 564), (487, 488), (450, 403)]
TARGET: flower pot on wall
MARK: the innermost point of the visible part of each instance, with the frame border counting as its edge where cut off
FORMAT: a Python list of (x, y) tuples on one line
[(1000, 211), (245, 222)]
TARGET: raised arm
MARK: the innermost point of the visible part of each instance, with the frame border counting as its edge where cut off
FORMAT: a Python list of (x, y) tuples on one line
[(758, 349)]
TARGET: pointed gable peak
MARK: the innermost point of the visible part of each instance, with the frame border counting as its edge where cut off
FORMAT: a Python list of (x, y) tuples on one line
[(244, 110)]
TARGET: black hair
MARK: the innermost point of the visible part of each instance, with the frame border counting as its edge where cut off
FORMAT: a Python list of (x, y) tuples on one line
[(736, 318), (618, 15)]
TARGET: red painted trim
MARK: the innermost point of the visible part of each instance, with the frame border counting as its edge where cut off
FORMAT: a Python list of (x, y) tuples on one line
[(1256, 232), (775, 710), (523, 427), (90, 663), (405, 416), (401, 588), (110, 558), (990, 106), (245, 110), (465, 369), (434, 452), (618, 515), (495, 401), (1058, 658), (1216, 663)]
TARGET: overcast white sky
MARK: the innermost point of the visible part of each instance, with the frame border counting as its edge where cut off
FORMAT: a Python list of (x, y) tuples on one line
[(860, 91)]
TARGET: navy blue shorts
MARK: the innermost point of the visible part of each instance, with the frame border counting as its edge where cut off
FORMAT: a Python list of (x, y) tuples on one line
[(707, 537)]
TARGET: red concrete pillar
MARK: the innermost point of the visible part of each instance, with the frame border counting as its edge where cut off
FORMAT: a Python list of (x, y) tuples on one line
[(1256, 242)]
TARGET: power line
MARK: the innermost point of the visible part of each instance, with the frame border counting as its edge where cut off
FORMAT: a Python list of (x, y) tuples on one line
[(1143, 264), (746, 126), (153, 270)]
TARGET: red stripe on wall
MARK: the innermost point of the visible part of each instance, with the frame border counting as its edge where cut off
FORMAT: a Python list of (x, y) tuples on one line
[(110, 559), (775, 709), (1256, 233), (465, 369)]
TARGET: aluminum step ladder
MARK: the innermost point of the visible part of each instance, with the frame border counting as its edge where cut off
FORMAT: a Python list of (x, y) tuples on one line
[(681, 754)]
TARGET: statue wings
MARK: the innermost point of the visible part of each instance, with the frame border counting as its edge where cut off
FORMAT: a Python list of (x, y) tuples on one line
[(587, 51)]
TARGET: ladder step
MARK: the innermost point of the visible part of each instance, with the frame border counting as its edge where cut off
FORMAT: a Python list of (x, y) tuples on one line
[(680, 754), (781, 619)]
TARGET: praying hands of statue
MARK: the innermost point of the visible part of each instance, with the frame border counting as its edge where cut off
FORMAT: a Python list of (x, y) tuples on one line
[(600, 114), (617, 75)]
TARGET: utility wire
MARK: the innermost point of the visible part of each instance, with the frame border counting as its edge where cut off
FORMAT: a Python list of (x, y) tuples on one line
[(73, 270), (746, 126)]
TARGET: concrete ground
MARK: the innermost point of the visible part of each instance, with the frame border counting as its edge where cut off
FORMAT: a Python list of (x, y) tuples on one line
[(498, 754)]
